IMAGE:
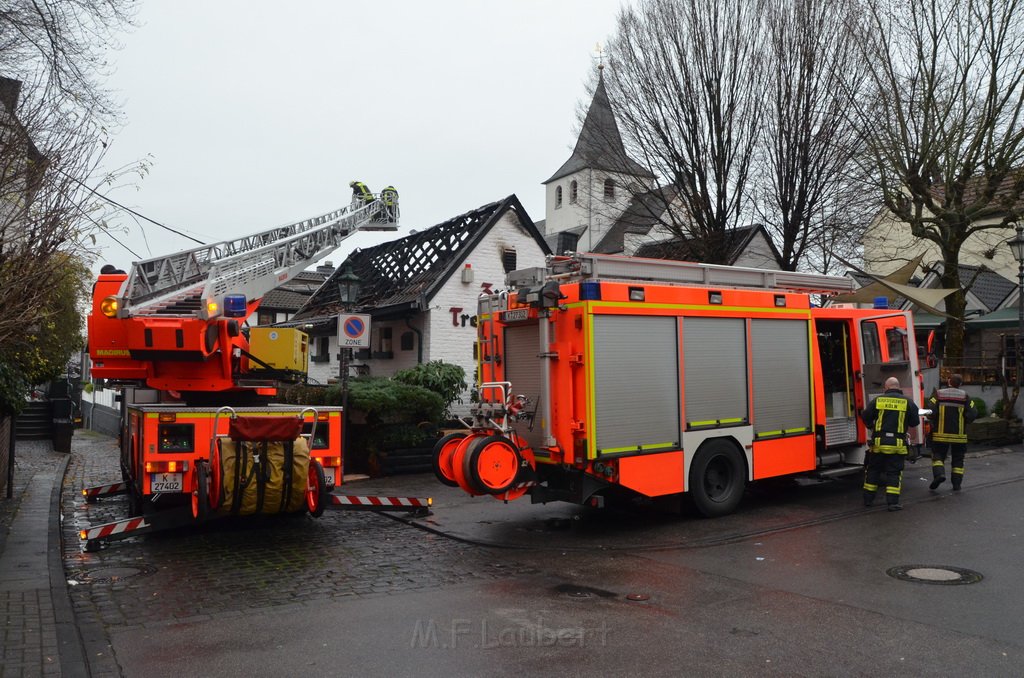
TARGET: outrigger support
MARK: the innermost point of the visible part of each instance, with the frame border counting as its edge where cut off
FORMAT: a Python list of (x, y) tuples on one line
[(168, 519)]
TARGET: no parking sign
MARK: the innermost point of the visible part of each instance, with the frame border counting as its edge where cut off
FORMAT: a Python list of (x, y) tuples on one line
[(353, 330)]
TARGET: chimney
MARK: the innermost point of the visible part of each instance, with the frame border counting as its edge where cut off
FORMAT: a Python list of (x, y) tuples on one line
[(326, 268), (9, 91)]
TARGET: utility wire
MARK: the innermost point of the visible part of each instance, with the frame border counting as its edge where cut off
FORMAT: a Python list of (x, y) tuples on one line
[(129, 209), (106, 231)]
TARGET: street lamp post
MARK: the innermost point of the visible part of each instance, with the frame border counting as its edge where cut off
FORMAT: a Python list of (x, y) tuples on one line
[(1016, 244), (348, 293)]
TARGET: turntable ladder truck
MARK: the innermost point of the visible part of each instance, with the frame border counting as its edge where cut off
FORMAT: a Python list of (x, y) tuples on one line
[(606, 375), (170, 335)]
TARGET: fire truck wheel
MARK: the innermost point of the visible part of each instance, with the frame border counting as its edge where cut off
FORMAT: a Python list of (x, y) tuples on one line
[(441, 460), (717, 478), (491, 464), (201, 490), (316, 489)]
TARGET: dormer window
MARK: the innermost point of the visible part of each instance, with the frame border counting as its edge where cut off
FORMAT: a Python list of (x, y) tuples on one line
[(572, 192), (609, 189), (558, 197)]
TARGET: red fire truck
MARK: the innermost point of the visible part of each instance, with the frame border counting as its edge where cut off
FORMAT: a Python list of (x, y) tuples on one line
[(601, 374), (199, 436)]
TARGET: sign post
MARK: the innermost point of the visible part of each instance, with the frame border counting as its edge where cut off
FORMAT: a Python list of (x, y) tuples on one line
[(353, 332)]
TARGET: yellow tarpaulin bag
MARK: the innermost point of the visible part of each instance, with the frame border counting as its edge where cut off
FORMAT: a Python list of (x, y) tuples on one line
[(262, 476)]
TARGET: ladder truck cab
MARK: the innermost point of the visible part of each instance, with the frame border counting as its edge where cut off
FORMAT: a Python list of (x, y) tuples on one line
[(196, 383), (600, 374)]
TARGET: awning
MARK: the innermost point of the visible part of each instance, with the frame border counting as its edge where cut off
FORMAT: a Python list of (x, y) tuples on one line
[(927, 321), (1003, 318)]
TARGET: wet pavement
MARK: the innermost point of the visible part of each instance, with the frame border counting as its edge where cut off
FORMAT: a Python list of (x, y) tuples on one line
[(800, 581)]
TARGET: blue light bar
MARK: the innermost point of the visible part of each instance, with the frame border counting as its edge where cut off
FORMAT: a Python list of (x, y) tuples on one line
[(234, 306), (881, 302), (590, 291)]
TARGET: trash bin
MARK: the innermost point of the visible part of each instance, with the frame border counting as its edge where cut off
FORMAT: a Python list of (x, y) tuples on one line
[(63, 424)]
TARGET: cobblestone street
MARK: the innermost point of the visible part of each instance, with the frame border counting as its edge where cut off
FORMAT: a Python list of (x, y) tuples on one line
[(234, 567)]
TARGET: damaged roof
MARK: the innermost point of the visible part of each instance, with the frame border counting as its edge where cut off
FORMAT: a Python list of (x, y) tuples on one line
[(406, 273)]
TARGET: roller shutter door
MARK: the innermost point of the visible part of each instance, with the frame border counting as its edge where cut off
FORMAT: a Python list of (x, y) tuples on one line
[(522, 369), (636, 379), (715, 354), (782, 388)]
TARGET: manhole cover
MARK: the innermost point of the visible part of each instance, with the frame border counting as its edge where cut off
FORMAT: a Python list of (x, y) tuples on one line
[(576, 591), (935, 574), (108, 575)]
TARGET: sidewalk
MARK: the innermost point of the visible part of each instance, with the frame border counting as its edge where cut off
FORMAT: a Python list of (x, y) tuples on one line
[(39, 637)]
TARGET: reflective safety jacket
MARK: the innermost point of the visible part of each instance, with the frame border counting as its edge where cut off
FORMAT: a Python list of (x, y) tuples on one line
[(389, 195), (889, 416), (360, 191), (954, 410)]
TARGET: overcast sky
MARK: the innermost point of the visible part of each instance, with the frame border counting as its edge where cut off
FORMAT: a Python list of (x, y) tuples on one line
[(256, 114)]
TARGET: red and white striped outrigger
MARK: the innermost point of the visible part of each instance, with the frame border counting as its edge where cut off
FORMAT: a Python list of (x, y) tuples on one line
[(169, 519)]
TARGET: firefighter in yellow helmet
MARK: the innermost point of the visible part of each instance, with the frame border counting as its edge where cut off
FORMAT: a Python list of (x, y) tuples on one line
[(888, 417), (361, 194), (953, 411)]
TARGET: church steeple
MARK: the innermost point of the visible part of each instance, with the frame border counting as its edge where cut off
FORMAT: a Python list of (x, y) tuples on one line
[(600, 145)]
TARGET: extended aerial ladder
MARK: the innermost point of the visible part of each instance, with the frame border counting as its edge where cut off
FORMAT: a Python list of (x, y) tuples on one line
[(172, 322)]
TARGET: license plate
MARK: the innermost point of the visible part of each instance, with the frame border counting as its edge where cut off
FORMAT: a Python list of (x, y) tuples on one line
[(515, 315), (166, 482), (329, 475)]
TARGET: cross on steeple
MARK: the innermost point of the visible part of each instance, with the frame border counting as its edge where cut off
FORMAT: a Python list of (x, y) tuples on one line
[(599, 53)]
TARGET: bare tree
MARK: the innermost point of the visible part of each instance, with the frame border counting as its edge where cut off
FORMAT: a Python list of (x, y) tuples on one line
[(54, 123), (686, 84), (942, 122), (808, 194)]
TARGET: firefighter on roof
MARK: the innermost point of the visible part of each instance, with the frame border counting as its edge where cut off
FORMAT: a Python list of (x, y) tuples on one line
[(953, 411), (889, 417)]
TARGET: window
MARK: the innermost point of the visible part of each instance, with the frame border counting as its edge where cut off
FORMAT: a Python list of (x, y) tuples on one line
[(408, 341), (508, 259), (323, 346), (558, 197), (566, 242), (265, 318), (896, 339), (609, 189), (572, 192)]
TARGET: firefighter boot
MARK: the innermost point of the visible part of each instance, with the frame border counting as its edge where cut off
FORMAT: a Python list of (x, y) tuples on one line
[(939, 473), (869, 498), (958, 478)]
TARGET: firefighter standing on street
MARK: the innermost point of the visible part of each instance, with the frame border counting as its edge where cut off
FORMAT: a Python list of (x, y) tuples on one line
[(953, 411), (888, 417), (361, 194)]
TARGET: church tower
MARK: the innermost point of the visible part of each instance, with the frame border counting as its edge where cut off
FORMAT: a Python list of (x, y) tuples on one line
[(591, 190)]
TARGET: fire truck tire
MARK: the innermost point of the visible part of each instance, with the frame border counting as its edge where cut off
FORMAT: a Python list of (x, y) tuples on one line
[(201, 490), (316, 489), (441, 459), (491, 464), (717, 478)]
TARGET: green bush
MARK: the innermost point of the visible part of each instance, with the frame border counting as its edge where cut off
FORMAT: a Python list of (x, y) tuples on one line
[(444, 379), (981, 407), (997, 409)]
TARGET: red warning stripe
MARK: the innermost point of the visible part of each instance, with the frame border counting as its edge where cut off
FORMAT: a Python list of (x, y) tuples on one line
[(103, 490), (351, 500), (117, 527)]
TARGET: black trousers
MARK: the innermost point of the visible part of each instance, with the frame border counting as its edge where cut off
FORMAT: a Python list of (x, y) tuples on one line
[(939, 450), (884, 470)]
